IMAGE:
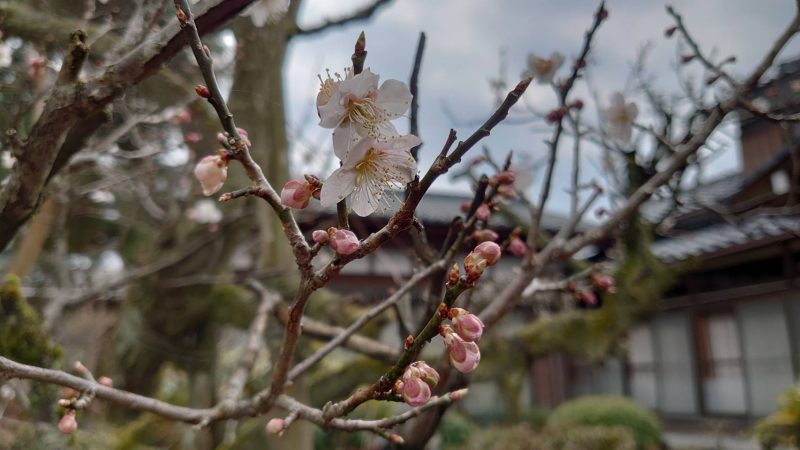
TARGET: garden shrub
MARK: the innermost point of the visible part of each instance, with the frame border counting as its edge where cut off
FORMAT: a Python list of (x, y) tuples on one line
[(783, 426), (611, 411)]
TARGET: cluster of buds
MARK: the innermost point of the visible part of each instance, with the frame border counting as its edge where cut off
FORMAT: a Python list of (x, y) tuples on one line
[(591, 296), (297, 193), (482, 256), (343, 242), (212, 171), (73, 401), (416, 383)]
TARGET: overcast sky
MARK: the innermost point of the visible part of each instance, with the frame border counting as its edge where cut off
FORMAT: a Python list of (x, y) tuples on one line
[(463, 51)]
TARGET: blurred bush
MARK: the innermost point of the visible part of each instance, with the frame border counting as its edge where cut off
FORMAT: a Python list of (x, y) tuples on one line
[(523, 437), (611, 411), (783, 426)]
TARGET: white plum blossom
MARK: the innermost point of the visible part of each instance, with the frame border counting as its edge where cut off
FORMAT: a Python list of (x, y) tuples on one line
[(543, 69), (263, 11), (357, 106), (619, 117), (368, 169), (205, 211)]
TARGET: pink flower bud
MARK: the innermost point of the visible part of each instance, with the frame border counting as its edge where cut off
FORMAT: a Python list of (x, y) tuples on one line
[(275, 426), (344, 242), (517, 246), (483, 212), (484, 255), (464, 356), (68, 424), (211, 171), (106, 381), (467, 325), (603, 282), (396, 439), (202, 91), (484, 235), (465, 206), (415, 391), (320, 237), (459, 394), (423, 371), (296, 194)]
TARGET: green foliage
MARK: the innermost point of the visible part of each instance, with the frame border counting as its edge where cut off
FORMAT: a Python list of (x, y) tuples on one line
[(783, 426), (536, 417), (455, 429), (611, 411), (523, 437), (641, 282), (22, 337)]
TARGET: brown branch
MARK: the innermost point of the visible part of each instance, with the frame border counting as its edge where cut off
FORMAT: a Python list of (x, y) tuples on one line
[(361, 14), (413, 83), (373, 312), (68, 104), (599, 16), (695, 48)]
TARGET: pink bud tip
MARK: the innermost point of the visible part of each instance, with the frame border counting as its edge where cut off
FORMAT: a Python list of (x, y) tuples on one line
[(467, 325), (296, 194), (485, 254), (80, 368), (344, 242), (483, 212), (459, 394), (396, 439), (517, 247), (68, 424), (106, 381), (320, 237), (275, 426)]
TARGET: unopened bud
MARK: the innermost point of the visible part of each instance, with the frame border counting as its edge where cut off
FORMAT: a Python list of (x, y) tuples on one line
[(320, 237), (395, 438), (68, 424), (670, 31), (106, 381), (202, 91), (459, 394), (275, 426), (344, 242), (453, 274), (483, 212), (484, 255)]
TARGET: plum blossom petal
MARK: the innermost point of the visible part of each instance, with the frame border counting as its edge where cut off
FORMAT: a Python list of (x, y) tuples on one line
[(619, 118), (543, 69), (338, 186), (357, 102), (370, 168), (394, 97)]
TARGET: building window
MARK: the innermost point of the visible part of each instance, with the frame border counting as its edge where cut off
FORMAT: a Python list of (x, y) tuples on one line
[(720, 363), (642, 366)]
